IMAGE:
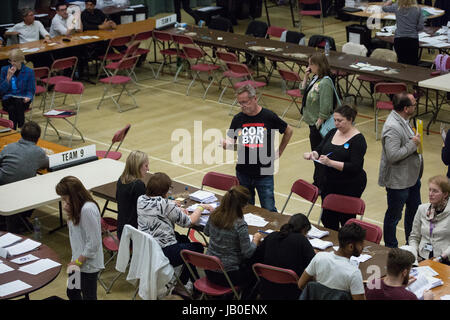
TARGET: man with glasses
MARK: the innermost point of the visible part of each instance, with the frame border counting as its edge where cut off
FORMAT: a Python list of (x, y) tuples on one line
[(29, 29), (64, 24), (253, 130), (401, 167)]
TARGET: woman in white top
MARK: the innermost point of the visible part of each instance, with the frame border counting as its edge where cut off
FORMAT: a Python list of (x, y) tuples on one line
[(85, 234), (430, 235)]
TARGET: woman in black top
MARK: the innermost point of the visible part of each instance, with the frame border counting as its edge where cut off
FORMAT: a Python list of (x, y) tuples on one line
[(290, 249), (342, 153), (129, 188)]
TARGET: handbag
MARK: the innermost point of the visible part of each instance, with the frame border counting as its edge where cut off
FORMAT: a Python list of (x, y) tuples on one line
[(329, 123)]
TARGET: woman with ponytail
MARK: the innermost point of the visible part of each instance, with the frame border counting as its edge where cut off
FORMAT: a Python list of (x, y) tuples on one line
[(290, 249), (229, 240)]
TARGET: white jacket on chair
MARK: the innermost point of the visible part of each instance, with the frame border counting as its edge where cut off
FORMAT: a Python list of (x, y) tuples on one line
[(148, 263)]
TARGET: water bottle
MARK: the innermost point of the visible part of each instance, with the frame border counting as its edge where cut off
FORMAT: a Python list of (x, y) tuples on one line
[(327, 48), (37, 229), (180, 25)]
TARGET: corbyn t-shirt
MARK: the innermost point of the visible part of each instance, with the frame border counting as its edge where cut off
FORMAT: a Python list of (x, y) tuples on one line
[(255, 136)]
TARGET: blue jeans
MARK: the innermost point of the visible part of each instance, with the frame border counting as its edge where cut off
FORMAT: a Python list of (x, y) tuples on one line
[(264, 186), (396, 200)]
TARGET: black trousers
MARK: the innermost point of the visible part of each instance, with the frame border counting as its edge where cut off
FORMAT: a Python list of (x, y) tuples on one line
[(187, 7), (407, 50), (88, 290), (16, 110), (315, 138)]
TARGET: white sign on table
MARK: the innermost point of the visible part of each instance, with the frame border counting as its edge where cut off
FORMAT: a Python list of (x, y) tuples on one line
[(71, 155)]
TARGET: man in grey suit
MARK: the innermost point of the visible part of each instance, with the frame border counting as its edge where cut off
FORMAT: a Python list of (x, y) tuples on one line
[(400, 168)]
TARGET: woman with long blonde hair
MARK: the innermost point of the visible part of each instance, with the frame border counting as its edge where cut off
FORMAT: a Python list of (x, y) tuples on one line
[(409, 23), (129, 188)]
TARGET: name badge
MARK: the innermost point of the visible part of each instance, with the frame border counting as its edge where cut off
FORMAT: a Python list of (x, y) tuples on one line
[(346, 146), (428, 247)]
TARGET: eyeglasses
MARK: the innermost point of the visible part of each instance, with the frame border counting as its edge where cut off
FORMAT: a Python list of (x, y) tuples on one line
[(246, 103)]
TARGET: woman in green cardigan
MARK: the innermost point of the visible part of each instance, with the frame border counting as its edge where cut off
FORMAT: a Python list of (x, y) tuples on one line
[(317, 100)]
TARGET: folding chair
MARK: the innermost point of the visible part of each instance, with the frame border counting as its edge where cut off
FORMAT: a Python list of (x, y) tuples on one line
[(131, 51), (6, 123), (305, 190), (220, 181), (194, 53), (225, 57), (39, 74), (119, 136), (291, 76), (126, 65), (302, 12), (181, 40), (274, 32), (388, 89), (240, 70), (373, 232), (350, 48), (164, 38), (111, 54), (73, 88), (111, 245), (203, 285), (142, 52), (275, 274), (343, 204)]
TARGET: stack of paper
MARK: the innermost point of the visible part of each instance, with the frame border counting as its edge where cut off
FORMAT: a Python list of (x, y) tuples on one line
[(39, 266), (426, 271), (317, 233), (8, 239), (23, 247), (5, 268), (12, 287), (203, 196), (203, 220), (423, 283), (25, 259), (320, 244), (254, 220), (194, 206), (362, 258)]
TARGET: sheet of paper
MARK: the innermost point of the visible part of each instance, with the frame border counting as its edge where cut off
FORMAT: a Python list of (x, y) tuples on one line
[(317, 233), (445, 297), (441, 44), (25, 259), (30, 50), (12, 287), (5, 268), (390, 16), (53, 112), (320, 244), (425, 271), (39, 266), (8, 239), (254, 220), (23, 247)]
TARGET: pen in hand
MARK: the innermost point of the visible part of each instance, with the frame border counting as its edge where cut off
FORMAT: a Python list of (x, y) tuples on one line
[(328, 154), (262, 231)]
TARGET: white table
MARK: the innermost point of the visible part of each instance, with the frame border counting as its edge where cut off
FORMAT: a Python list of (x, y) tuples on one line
[(439, 83), (40, 190)]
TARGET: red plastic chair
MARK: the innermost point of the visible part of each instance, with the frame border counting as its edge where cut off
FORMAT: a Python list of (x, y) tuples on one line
[(72, 88), (131, 51), (110, 244), (305, 190), (180, 41), (291, 76), (388, 89), (275, 274), (58, 66), (274, 31), (141, 37), (219, 181), (199, 66), (203, 285), (343, 204), (39, 74), (6, 123), (373, 232), (125, 65), (111, 54), (119, 136), (162, 38), (302, 12)]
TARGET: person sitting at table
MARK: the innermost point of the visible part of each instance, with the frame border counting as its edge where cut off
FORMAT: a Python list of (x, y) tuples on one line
[(85, 235), (18, 161), (230, 242), (29, 29), (333, 269), (410, 22), (430, 235), (445, 152), (64, 24), (129, 188), (95, 19), (157, 216), (393, 286), (341, 154), (17, 87), (288, 248)]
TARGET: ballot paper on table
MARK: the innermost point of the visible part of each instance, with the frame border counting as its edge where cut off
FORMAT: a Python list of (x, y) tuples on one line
[(423, 283), (12, 287), (317, 233), (203, 196), (362, 258), (23, 247), (24, 259), (8, 239), (320, 244), (203, 220), (39, 266), (426, 271), (30, 50), (254, 220), (194, 206), (5, 268), (384, 34), (445, 297)]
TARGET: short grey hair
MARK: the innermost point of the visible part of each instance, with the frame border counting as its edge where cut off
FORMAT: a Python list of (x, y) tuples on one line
[(247, 88), (25, 11)]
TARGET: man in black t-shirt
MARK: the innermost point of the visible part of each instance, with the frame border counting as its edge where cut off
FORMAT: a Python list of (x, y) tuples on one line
[(253, 131)]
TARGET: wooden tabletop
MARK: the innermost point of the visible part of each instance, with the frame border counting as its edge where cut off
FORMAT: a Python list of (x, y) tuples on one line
[(444, 275), (49, 147), (6, 133), (76, 40), (366, 13), (35, 281)]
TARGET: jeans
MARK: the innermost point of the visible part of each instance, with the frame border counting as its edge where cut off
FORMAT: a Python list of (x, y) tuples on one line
[(16, 110), (264, 186), (88, 289), (396, 200)]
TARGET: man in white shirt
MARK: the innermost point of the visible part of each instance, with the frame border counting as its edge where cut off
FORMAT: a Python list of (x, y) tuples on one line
[(29, 29), (64, 24), (334, 270)]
